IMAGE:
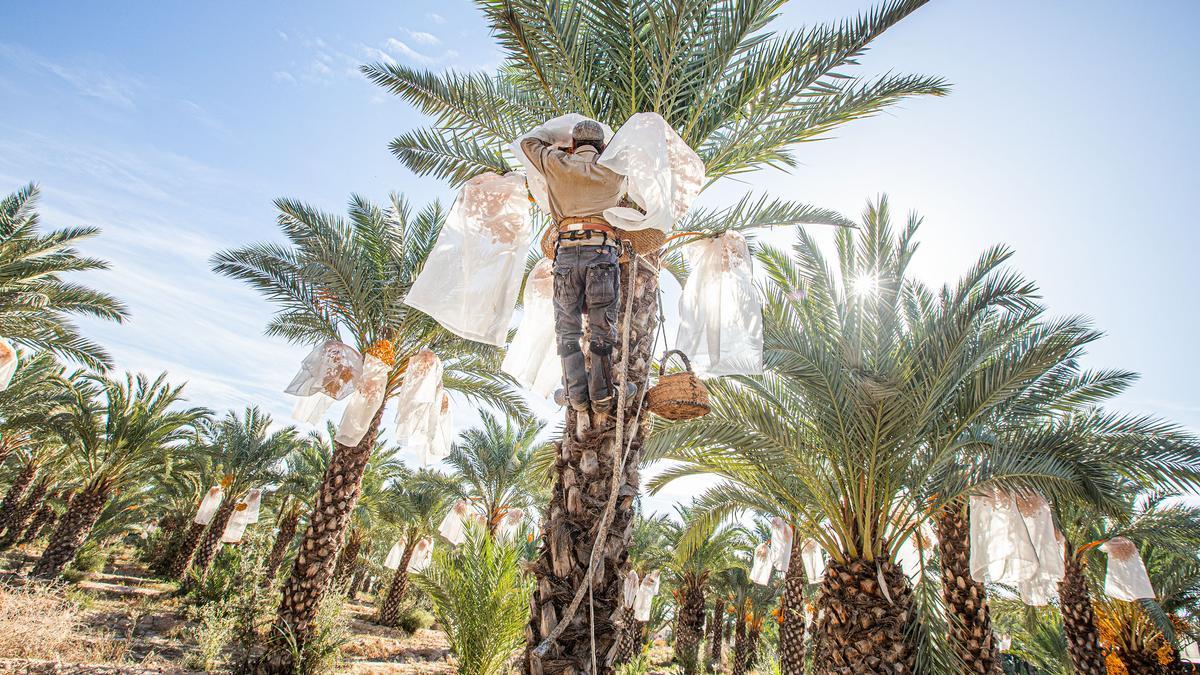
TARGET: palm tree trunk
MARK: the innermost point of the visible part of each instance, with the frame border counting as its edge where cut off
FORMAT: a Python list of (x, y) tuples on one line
[(313, 569), (187, 548), (862, 625), (583, 471), (689, 626), (753, 635), (631, 636), (348, 560), (43, 520), (16, 491), (791, 609), (73, 529), (211, 543), (1079, 619), (171, 533), (741, 647), (716, 635), (389, 613), (966, 599), (287, 532), (19, 519)]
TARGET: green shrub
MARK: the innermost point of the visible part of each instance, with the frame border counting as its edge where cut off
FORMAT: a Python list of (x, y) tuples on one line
[(413, 619), (481, 598), (322, 652), (89, 558)]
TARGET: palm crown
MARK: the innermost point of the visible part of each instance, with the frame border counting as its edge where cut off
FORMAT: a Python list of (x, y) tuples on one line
[(36, 303)]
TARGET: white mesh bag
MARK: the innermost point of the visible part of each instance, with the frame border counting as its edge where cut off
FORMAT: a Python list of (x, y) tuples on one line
[(330, 368), (629, 590), (247, 507), (510, 524), (645, 597), (760, 571), (531, 358), (453, 526), (781, 545), (1126, 577), (209, 505), (1039, 589), (813, 558), (469, 283), (311, 409), (1001, 550), (558, 130), (368, 395), (418, 395), (663, 175), (720, 310), (395, 554), (234, 530), (8, 363), (422, 555)]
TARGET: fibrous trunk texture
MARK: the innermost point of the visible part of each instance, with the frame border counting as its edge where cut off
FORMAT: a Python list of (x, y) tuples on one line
[(16, 491), (347, 563), (389, 613), (171, 532), (42, 521), (865, 613), (1079, 620), (689, 627), (741, 644), (1142, 663), (582, 482), (287, 532), (312, 570), (716, 635), (791, 615), (187, 548), (73, 529), (211, 543), (20, 517), (966, 599), (631, 636)]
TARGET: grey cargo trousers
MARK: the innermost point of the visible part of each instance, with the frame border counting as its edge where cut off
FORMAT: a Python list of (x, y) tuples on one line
[(586, 281)]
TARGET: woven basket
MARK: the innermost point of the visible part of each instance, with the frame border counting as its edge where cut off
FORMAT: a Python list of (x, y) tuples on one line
[(642, 241), (678, 396)]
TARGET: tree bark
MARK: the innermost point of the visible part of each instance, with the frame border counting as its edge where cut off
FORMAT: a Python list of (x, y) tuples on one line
[(631, 636), (287, 532), (862, 626), (171, 532), (19, 519), (716, 635), (971, 635), (389, 612), (1079, 619), (16, 491), (741, 645), (211, 543), (791, 610), (312, 570), (347, 562), (187, 548), (42, 521), (73, 529), (583, 471), (689, 626)]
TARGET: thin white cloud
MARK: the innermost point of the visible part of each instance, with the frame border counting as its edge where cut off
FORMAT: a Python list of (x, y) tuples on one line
[(89, 81), (436, 18), (423, 38), (402, 50), (284, 76), (282, 35)]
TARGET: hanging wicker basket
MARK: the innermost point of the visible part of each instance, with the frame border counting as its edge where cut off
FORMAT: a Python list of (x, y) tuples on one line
[(678, 396)]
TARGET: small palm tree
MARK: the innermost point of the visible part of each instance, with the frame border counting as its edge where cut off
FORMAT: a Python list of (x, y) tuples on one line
[(481, 598), (248, 455), (497, 466), (36, 304), (413, 507), (739, 94), (117, 433), (345, 279), (37, 390)]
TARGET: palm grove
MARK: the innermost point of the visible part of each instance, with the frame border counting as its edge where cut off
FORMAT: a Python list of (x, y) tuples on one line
[(884, 408)]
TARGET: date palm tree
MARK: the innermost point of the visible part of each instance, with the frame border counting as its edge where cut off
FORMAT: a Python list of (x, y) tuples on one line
[(248, 455), (835, 437), (649, 550), (739, 94), (117, 433), (496, 465), (413, 507), (37, 305), (37, 390), (344, 279)]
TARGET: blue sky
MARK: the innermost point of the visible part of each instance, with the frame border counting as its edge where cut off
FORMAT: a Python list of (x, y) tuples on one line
[(1070, 136)]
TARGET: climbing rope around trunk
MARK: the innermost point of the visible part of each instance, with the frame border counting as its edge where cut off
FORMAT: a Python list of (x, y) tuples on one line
[(620, 454)]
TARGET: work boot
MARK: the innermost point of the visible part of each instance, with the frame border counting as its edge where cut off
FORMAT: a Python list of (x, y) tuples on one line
[(604, 406), (560, 397)]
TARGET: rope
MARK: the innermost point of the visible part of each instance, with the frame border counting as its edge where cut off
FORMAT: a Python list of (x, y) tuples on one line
[(620, 455)]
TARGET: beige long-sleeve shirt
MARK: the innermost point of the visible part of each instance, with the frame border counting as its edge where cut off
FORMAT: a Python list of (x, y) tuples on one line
[(577, 186)]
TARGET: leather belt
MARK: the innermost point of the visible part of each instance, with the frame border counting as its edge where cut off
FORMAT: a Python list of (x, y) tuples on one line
[(584, 225)]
